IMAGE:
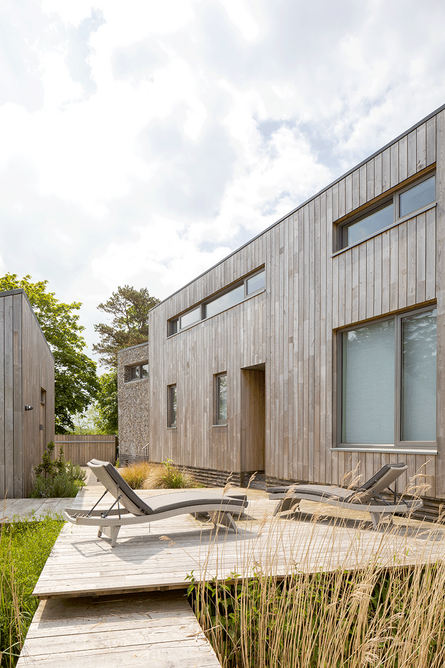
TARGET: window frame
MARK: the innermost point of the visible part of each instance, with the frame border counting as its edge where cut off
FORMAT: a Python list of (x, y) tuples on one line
[(398, 445), (172, 406), (128, 378), (217, 420), (174, 324), (393, 197)]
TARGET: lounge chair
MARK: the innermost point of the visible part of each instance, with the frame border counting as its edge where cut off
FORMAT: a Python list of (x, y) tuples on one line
[(131, 509), (366, 497)]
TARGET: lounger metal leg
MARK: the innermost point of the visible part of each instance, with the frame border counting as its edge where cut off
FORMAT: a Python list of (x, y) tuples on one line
[(378, 517), (286, 505), (110, 532), (225, 519)]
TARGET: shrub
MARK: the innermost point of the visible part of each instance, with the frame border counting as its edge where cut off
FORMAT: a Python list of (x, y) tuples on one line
[(24, 548), (56, 478), (167, 476), (146, 475), (136, 474)]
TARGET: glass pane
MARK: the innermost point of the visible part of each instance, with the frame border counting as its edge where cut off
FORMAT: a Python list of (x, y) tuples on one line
[(369, 225), (144, 371), (368, 384), (135, 373), (173, 405), (419, 377), (191, 317), (421, 195), (256, 282), (224, 302), (222, 398)]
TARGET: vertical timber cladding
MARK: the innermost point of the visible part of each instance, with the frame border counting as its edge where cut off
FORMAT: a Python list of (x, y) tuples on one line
[(224, 343), (26, 367), (37, 391), (312, 291)]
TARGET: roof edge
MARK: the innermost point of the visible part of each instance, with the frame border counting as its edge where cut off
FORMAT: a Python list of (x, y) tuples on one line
[(300, 206)]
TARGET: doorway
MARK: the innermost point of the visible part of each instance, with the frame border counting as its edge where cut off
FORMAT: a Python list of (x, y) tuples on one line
[(253, 419)]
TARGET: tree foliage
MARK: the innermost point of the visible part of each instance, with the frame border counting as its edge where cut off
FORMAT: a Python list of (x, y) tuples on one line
[(107, 421), (129, 325), (76, 382)]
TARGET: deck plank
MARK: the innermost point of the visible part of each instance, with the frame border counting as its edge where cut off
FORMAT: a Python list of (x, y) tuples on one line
[(159, 630)]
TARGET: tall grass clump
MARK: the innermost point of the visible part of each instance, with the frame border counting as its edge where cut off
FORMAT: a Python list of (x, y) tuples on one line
[(146, 475), (136, 474), (24, 548), (327, 593)]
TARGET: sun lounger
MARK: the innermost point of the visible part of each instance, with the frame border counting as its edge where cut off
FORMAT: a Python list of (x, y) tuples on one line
[(367, 497), (128, 507)]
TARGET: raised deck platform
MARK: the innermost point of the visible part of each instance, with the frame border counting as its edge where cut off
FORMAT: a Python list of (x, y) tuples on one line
[(163, 555)]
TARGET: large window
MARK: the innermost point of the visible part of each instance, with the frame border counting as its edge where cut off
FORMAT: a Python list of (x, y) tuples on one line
[(248, 286), (403, 203), (388, 381), (221, 398), (172, 406)]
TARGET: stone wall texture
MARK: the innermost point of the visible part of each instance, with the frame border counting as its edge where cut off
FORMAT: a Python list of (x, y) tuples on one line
[(133, 400)]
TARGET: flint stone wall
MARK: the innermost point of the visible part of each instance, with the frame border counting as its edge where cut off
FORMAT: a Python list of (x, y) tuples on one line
[(133, 406)]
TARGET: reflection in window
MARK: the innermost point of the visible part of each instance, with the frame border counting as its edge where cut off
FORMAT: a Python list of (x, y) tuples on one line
[(256, 282), (191, 317), (409, 201), (221, 398), (172, 406), (369, 225), (224, 302), (418, 196), (419, 377), (138, 372)]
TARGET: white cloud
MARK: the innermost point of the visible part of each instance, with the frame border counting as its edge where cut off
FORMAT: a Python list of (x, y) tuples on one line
[(143, 141)]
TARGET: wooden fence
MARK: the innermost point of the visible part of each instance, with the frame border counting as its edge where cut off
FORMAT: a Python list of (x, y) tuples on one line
[(79, 449)]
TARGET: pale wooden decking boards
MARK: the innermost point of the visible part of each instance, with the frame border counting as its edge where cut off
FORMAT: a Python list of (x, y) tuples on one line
[(161, 557), (14, 509), (157, 630)]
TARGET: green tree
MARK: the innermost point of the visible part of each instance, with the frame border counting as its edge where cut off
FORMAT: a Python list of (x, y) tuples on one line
[(129, 325), (76, 382), (107, 421)]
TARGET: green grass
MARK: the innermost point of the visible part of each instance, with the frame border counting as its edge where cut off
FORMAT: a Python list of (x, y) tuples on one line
[(24, 548)]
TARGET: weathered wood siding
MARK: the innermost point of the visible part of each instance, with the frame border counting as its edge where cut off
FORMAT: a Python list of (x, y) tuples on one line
[(26, 368), (226, 342), (311, 292)]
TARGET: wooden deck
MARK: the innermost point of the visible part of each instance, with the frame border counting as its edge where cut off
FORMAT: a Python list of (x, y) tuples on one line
[(16, 509), (161, 557), (125, 606), (158, 630)]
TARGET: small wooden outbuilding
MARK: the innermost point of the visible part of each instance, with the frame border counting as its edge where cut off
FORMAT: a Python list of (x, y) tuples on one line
[(26, 394)]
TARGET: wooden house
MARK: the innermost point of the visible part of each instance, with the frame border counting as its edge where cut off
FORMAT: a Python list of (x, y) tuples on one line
[(320, 344), (26, 394)]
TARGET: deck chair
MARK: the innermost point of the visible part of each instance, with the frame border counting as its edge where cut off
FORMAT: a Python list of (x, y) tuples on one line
[(128, 508), (366, 497)]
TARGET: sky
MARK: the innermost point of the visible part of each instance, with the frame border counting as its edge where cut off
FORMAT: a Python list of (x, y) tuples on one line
[(141, 142)]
